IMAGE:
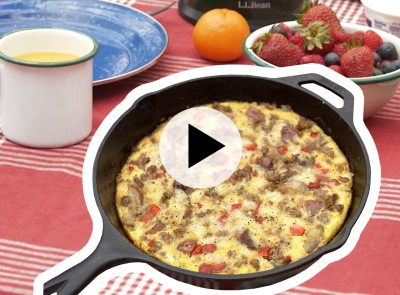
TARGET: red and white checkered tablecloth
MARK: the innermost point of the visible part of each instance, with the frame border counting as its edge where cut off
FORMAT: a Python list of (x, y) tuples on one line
[(43, 217)]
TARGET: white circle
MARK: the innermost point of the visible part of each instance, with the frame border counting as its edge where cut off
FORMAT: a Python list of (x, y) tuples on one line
[(212, 170)]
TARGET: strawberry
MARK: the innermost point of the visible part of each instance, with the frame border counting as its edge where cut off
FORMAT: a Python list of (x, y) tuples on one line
[(342, 37), (340, 49), (297, 39), (287, 29), (372, 40), (312, 58), (276, 49), (298, 52), (313, 11), (356, 37), (358, 62), (317, 38), (337, 69)]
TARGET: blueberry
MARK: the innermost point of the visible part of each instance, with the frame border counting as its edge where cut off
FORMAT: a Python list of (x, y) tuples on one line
[(279, 30), (388, 67), (387, 51), (332, 59), (377, 59), (376, 72), (396, 63)]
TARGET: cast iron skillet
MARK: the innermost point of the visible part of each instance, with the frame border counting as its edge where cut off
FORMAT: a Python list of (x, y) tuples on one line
[(149, 110)]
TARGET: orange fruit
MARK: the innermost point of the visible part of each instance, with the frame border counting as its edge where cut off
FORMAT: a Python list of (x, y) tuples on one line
[(219, 34)]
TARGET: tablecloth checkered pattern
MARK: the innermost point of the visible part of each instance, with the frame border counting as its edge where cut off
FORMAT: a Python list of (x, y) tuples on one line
[(43, 218), (136, 283)]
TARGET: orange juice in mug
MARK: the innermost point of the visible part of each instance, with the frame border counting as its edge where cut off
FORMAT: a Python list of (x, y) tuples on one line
[(46, 86), (52, 56)]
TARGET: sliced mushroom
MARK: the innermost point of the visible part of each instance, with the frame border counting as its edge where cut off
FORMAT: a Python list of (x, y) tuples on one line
[(125, 201), (293, 187), (311, 244), (128, 219), (187, 245), (313, 207), (159, 226), (315, 232), (136, 194)]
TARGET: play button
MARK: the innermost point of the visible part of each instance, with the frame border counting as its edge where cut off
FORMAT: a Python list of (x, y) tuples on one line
[(200, 147)]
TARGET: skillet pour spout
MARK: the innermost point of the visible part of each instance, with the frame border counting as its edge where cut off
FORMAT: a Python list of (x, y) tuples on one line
[(148, 105)]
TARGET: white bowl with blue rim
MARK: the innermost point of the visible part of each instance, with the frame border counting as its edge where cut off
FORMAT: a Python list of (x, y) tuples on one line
[(378, 90)]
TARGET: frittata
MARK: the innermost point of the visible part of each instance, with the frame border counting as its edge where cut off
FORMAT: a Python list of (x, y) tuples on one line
[(288, 197)]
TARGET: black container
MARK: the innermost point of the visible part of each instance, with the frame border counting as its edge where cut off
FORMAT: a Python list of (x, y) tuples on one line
[(146, 114), (257, 13)]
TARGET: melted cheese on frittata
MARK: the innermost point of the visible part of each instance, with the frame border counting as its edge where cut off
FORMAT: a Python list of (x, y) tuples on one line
[(288, 197)]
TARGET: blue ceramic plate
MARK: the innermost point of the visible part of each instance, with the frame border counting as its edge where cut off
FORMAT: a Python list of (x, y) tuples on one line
[(130, 41)]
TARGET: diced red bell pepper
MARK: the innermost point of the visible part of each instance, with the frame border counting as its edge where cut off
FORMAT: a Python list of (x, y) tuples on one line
[(324, 171), (198, 249), (151, 243), (297, 230), (219, 267), (255, 213), (264, 252), (314, 134), (222, 218), (314, 184), (224, 214), (282, 149), (206, 268), (250, 147), (305, 149), (212, 268), (209, 248), (153, 210), (287, 259), (236, 206)]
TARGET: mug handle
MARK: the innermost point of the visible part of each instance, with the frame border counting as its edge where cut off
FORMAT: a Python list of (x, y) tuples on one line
[(1, 71)]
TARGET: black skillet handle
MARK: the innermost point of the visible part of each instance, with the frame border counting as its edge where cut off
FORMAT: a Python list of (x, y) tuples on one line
[(111, 251), (347, 111)]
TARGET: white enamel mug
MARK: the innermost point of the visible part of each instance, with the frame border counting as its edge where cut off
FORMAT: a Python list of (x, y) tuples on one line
[(46, 104)]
